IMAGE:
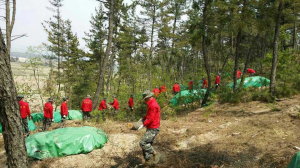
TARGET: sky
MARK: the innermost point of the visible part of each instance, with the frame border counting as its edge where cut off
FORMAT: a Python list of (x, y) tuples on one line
[(32, 13)]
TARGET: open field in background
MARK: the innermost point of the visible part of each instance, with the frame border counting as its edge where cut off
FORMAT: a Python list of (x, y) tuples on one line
[(24, 76), (245, 135)]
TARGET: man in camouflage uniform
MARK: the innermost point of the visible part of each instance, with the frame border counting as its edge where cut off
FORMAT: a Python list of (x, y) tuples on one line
[(48, 114), (152, 122)]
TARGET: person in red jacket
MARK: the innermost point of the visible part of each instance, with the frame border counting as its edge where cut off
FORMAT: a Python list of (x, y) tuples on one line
[(204, 84), (130, 103), (64, 112), (115, 105), (217, 81), (238, 73), (24, 110), (176, 88), (250, 71), (191, 85), (48, 114), (86, 108), (156, 91), (163, 89), (152, 122), (102, 107)]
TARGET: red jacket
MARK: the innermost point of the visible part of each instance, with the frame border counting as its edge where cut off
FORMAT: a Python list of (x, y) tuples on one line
[(217, 81), (87, 105), (115, 104), (130, 102), (102, 105), (152, 119), (250, 71), (163, 88), (191, 85), (156, 91), (64, 109), (48, 110), (176, 88), (204, 85), (239, 73), (24, 109)]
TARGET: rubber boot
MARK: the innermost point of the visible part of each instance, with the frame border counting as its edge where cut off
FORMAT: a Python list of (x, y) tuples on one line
[(156, 156)]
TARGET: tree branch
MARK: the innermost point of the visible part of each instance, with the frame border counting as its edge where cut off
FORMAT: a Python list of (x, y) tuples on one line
[(18, 36)]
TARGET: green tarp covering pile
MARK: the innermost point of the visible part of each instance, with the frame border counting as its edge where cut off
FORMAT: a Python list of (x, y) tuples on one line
[(295, 162), (187, 96), (31, 126), (254, 81), (65, 141), (73, 115)]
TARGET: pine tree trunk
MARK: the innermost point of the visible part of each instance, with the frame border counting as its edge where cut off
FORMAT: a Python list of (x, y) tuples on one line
[(9, 113), (275, 50), (151, 47), (205, 57), (105, 60)]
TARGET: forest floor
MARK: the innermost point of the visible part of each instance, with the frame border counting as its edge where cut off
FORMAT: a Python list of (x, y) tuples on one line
[(245, 135)]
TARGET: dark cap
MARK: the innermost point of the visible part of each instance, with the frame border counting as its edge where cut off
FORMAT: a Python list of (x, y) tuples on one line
[(65, 98), (50, 100)]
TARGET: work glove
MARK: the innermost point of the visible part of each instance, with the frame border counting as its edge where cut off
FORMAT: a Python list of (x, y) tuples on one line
[(29, 118), (52, 120), (64, 116), (141, 127)]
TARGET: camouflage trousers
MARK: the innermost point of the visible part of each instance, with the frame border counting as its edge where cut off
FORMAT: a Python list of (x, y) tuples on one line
[(46, 123), (147, 141), (86, 115), (25, 125), (63, 121)]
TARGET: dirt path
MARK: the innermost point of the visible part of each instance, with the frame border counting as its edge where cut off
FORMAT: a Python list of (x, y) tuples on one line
[(244, 135)]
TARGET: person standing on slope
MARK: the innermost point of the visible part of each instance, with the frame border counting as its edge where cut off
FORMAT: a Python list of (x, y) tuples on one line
[(152, 122), (102, 108), (48, 114), (176, 88), (130, 103), (64, 112), (86, 108), (24, 110), (115, 105), (238, 73), (204, 84), (156, 91), (191, 85), (217, 81)]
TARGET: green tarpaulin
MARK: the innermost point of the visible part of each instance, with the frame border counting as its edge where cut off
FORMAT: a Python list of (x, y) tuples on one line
[(31, 126), (187, 96), (73, 115), (254, 81), (295, 162), (65, 141)]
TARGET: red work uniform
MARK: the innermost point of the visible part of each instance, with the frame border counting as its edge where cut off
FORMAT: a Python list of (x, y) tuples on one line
[(156, 91), (64, 109), (152, 118), (24, 110), (176, 88), (48, 110), (87, 105), (204, 85), (130, 102), (191, 85), (217, 81), (238, 73), (163, 88), (102, 105), (250, 71), (115, 104)]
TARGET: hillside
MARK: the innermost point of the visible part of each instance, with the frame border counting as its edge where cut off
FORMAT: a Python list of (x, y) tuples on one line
[(245, 135)]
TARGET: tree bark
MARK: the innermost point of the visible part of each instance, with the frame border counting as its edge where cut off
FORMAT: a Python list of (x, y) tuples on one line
[(152, 43), (10, 117), (205, 57), (9, 24), (107, 53), (275, 50)]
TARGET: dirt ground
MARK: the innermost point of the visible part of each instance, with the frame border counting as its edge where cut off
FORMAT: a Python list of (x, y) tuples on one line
[(245, 135)]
